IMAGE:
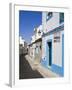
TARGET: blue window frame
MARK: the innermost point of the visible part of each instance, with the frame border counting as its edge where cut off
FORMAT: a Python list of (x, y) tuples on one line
[(61, 17)]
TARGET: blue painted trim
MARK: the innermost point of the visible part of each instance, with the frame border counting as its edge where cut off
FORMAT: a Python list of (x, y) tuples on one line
[(46, 53), (44, 63), (50, 40), (57, 69), (60, 28)]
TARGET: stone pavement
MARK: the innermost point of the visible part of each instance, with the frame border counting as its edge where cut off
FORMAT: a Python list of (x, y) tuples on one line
[(25, 70), (43, 71)]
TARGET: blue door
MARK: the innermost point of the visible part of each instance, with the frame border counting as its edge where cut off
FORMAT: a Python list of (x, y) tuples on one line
[(50, 53)]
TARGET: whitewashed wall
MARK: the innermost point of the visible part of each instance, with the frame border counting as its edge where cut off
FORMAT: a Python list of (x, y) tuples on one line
[(57, 52), (33, 39), (44, 21), (37, 36), (56, 49), (43, 47), (52, 23), (33, 50)]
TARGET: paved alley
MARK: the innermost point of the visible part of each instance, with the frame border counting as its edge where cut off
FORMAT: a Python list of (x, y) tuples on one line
[(25, 70)]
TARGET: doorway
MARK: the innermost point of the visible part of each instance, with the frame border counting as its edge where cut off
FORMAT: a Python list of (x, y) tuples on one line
[(50, 53)]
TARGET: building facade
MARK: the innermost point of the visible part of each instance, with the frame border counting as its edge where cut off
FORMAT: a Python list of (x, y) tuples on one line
[(53, 42), (22, 46), (35, 47)]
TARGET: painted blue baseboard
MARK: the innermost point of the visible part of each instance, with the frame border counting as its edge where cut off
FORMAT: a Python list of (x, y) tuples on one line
[(57, 69)]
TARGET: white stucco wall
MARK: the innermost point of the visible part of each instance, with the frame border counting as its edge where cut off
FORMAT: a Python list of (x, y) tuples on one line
[(33, 51), (44, 21), (49, 25), (43, 47), (37, 35), (52, 23), (56, 49), (57, 52), (33, 39)]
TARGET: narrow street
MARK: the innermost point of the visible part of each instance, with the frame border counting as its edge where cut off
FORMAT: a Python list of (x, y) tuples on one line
[(25, 70)]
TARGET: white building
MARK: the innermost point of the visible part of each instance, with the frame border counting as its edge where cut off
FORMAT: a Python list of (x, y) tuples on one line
[(37, 33), (21, 41), (53, 41), (36, 42), (23, 46)]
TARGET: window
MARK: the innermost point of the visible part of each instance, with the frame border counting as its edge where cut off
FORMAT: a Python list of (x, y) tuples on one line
[(49, 15), (61, 17)]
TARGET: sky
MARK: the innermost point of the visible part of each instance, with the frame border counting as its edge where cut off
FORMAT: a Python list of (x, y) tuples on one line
[(28, 20)]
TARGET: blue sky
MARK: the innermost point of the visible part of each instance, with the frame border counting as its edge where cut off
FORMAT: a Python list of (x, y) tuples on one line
[(27, 21)]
